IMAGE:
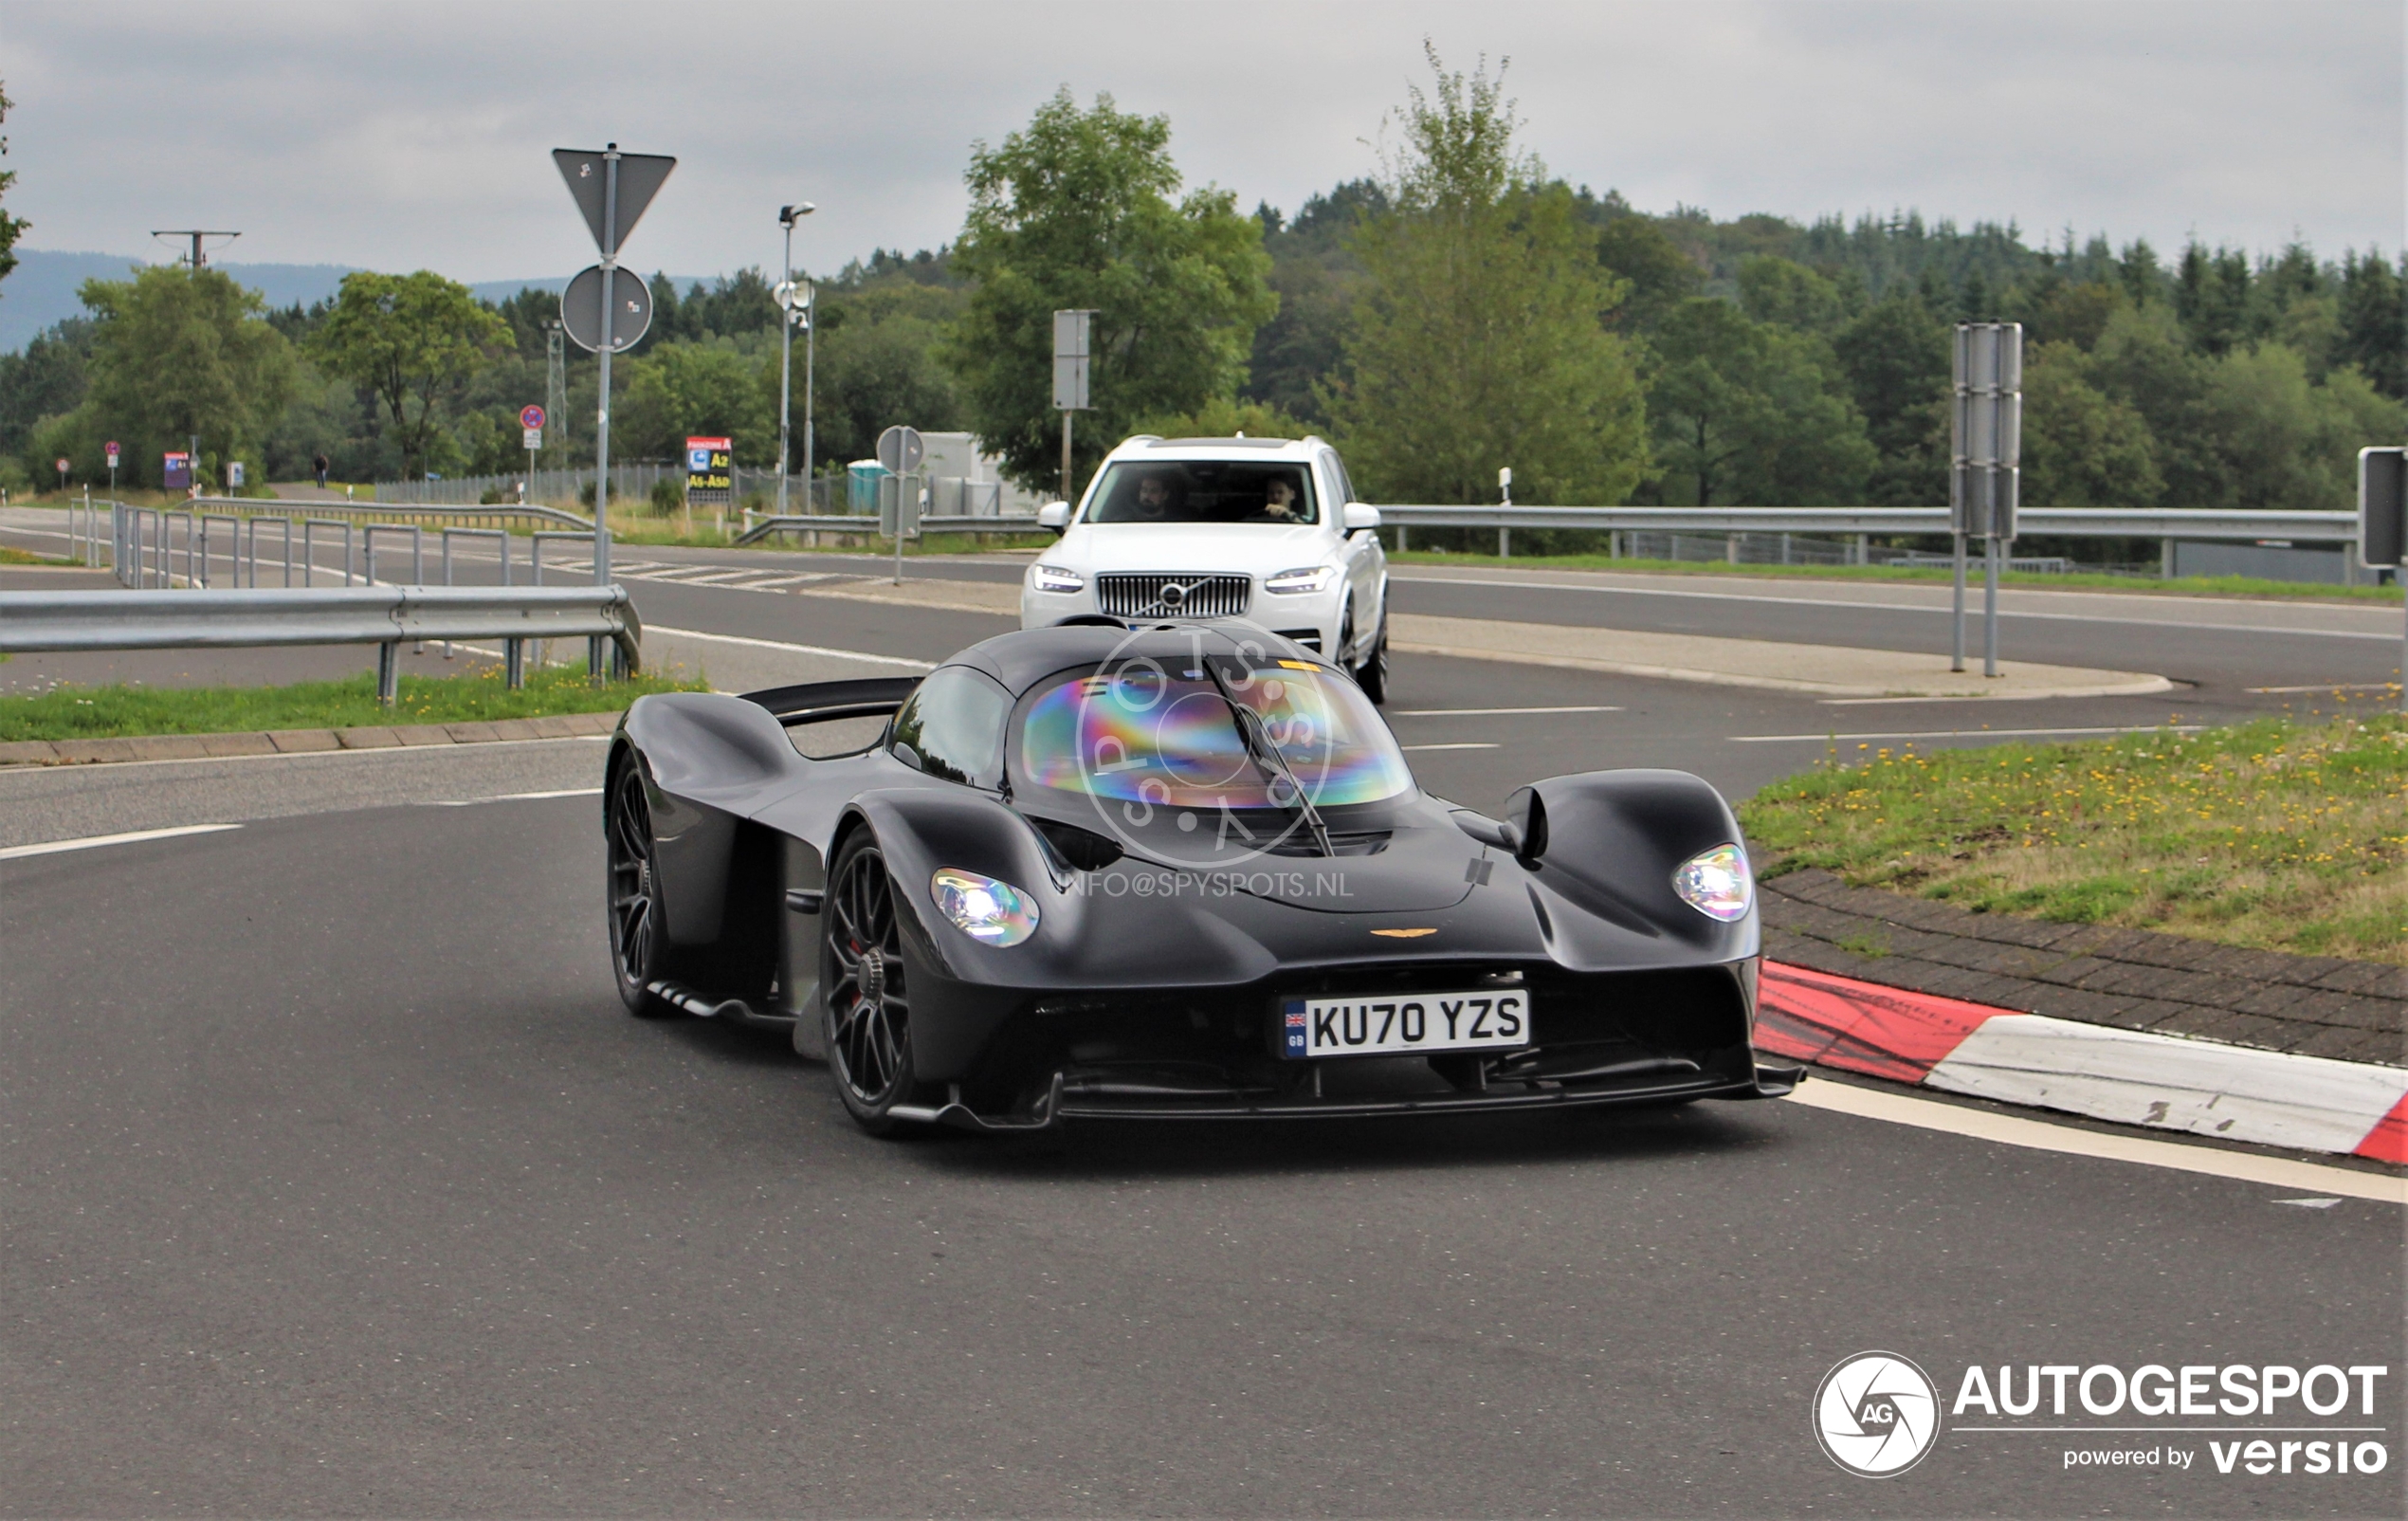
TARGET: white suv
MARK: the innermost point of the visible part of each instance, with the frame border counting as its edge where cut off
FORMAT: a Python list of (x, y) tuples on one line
[(1262, 529)]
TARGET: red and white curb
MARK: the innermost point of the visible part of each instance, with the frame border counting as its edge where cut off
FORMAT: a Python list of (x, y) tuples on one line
[(2129, 1076)]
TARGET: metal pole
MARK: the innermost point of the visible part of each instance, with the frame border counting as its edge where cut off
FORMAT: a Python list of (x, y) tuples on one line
[(1990, 607), (810, 347), (1065, 454), (1957, 613), (902, 484), (602, 421), (785, 368)]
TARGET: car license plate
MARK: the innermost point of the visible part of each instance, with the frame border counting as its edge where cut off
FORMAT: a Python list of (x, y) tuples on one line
[(1412, 1023)]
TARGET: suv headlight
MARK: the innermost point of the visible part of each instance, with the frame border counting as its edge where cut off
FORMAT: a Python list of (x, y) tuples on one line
[(1055, 579), (990, 913), (1303, 578), (1717, 883)]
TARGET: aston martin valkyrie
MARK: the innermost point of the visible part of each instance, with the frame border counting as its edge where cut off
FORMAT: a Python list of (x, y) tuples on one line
[(1178, 871)]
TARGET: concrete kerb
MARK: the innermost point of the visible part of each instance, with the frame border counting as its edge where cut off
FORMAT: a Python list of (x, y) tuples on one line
[(300, 742)]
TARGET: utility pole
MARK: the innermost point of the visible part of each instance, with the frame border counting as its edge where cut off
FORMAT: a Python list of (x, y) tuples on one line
[(556, 380), (789, 307), (199, 257)]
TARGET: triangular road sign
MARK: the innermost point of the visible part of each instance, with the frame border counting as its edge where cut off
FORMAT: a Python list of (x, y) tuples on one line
[(640, 179)]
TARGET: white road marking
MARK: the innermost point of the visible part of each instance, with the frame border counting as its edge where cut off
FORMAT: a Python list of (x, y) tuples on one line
[(1964, 734), (2039, 1135), (1884, 607), (520, 796), (1470, 746), (798, 649), (18, 853), (2326, 1202), (2333, 686), (1476, 712)]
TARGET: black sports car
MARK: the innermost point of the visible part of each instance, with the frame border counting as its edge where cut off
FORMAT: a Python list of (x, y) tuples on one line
[(1176, 872)]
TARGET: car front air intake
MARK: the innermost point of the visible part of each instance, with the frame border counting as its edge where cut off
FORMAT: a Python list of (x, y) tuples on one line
[(1156, 595)]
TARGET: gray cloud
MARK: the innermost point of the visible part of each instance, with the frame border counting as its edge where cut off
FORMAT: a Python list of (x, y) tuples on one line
[(396, 137)]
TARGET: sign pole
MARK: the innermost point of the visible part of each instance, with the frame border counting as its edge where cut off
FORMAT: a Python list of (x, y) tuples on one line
[(602, 419)]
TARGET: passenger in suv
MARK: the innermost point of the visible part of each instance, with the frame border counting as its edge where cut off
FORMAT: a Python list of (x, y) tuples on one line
[(1261, 529)]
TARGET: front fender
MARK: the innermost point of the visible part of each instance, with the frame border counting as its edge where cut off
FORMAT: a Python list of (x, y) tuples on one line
[(1608, 843), (709, 760)]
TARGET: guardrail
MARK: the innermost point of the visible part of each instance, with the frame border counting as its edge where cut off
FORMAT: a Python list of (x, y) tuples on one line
[(495, 514), (386, 616), (822, 523), (2075, 523)]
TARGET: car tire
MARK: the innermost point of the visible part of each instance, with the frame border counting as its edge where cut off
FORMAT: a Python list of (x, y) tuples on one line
[(1372, 675), (864, 988), (639, 936)]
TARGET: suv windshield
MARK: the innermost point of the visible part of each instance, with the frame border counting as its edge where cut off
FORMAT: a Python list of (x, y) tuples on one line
[(1256, 491), (1144, 735)]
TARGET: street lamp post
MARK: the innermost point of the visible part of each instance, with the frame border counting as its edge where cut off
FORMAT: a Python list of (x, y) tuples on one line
[(787, 217)]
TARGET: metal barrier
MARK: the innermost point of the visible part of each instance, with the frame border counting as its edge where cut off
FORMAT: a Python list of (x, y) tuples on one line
[(499, 512), (951, 523), (2073, 523), (386, 616)]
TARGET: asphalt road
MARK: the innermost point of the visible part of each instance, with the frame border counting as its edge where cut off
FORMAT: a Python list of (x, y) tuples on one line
[(334, 1181)]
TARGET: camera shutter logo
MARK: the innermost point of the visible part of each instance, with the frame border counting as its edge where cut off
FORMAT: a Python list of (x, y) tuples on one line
[(1876, 1414)]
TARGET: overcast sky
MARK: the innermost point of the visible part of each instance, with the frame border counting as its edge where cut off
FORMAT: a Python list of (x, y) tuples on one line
[(396, 137)]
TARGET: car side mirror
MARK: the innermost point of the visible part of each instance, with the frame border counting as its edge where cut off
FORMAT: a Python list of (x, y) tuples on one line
[(1361, 519), (1054, 514), (1526, 815)]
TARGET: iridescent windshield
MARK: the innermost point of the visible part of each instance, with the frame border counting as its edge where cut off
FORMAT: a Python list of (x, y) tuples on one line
[(1142, 734)]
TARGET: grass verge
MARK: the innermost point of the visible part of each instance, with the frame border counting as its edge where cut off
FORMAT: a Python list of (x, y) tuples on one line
[(2075, 581), (110, 712), (2282, 834)]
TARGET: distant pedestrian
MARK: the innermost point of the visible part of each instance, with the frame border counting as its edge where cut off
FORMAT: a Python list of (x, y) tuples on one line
[(320, 465)]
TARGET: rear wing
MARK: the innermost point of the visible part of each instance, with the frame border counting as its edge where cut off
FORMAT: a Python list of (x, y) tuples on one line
[(821, 701)]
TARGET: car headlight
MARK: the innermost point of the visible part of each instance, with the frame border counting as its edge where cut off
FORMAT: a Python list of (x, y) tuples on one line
[(1055, 579), (1303, 578), (1717, 883), (990, 913)]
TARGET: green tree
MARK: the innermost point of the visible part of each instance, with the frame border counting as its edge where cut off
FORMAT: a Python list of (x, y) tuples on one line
[(11, 228), (1783, 291), (1896, 359), (412, 340), (2374, 322), (1478, 341), (878, 365), (1075, 211), (1635, 250), (178, 354), (1746, 412), (710, 389), (2081, 447)]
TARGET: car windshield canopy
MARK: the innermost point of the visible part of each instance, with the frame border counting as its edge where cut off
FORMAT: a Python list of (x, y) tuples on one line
[(1236, 491), (1140, 733)]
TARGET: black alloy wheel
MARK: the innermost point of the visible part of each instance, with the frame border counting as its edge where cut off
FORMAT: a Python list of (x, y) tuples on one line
[(638, 936), (865, 997)]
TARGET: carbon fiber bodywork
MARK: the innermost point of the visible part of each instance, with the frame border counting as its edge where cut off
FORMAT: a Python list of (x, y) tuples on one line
[(1151, 985)]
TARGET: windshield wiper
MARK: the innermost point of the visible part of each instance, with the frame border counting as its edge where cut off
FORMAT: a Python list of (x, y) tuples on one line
[(1266, 753)]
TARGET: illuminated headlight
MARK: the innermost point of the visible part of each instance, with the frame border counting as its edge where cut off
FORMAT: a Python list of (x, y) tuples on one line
[(1303, 578), (1717, 883), (1055, 579), (990, 913)]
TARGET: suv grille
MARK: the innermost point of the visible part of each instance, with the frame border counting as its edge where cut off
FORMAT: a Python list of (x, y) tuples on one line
[(1156, 596)]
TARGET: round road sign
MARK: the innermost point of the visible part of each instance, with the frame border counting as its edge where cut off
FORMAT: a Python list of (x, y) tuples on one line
[(531, 416), (581, 309)]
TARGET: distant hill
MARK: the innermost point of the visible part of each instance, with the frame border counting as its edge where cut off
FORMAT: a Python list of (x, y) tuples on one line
[(43, 289)]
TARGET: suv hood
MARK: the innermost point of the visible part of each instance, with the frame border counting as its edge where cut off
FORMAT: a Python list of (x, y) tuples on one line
[(1256, 549)]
